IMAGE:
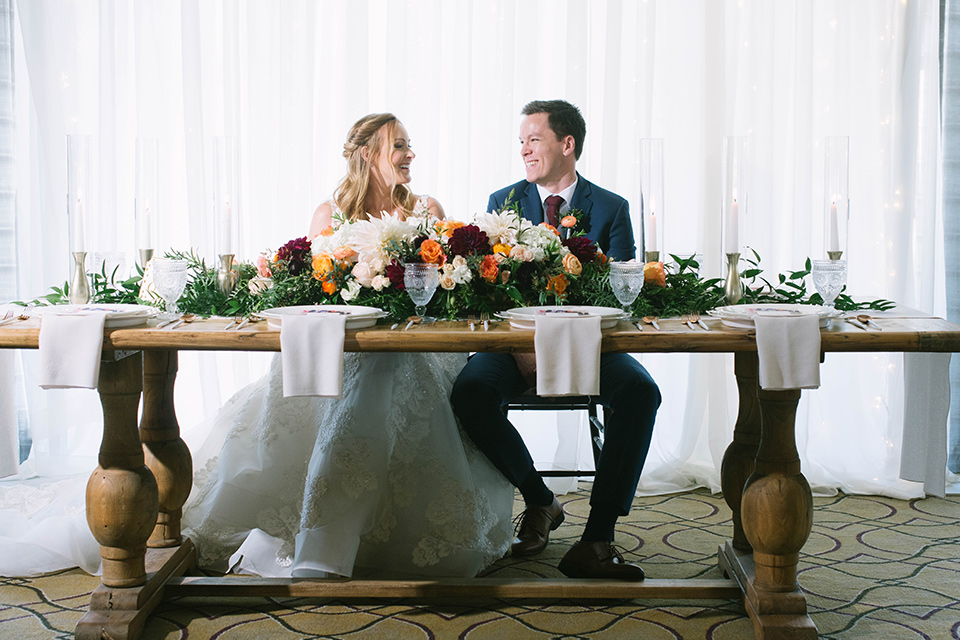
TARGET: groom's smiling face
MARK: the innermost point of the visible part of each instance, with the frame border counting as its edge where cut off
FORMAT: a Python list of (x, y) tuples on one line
[(546, 159)]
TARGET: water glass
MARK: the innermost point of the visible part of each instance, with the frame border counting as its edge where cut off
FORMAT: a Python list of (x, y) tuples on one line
[(111, 264), (626, 280), (829, 277), (170, 279), (421, 281)]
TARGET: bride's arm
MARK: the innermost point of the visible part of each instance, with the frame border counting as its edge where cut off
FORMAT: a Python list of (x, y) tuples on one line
[(322, 218), (433, 206)]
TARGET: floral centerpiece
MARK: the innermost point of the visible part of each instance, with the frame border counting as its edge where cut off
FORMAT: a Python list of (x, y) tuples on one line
[(497, 261)]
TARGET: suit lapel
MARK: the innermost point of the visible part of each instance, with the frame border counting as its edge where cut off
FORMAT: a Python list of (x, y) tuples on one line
[(581, 196), (532, 207)]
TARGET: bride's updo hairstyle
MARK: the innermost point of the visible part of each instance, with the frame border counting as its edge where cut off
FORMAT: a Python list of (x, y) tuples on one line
[(370, 132)]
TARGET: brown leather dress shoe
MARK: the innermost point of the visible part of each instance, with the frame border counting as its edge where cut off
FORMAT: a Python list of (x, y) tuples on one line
[(598, 560), (534, 527)]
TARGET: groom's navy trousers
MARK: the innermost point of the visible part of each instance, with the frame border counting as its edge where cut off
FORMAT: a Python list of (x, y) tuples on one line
[(626, 390)]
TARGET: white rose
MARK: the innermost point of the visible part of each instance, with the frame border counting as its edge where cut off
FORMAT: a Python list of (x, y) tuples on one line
[(350, 292), (447, 282)]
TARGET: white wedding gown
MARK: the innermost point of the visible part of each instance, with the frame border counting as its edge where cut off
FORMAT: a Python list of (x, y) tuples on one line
[(377, 482)]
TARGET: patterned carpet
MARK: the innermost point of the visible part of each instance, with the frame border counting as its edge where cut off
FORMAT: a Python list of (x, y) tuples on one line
[(873, 568)]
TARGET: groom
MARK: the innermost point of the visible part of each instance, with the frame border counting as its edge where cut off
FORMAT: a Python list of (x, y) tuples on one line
[(551, 141)]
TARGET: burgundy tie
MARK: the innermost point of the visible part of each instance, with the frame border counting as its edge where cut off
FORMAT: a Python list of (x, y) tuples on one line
[(553, 207)]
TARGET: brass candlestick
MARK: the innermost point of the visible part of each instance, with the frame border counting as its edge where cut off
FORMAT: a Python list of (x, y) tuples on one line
[(226, 276), (79, 285), (732, 288), (146, 255), (651, 256), (834, 255)]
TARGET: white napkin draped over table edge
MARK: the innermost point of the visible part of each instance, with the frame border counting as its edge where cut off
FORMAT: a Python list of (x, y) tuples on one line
[(788, 347), (311, 351), (70, 347), (567, 351)]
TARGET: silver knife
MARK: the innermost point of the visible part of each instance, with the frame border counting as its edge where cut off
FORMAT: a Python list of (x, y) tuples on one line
[(857, 323)]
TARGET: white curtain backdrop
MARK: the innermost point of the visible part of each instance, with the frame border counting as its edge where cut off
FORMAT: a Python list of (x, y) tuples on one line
[(288, 78)]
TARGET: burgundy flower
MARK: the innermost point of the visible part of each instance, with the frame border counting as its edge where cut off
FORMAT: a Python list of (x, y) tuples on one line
[(468, 240), (582, 247), (296, 255), (394, 272)]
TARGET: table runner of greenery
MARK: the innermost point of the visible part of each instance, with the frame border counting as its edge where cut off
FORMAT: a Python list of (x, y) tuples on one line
[(495, 262)]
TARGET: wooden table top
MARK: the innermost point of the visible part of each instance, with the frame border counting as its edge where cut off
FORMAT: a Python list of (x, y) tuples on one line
[(897, 334)]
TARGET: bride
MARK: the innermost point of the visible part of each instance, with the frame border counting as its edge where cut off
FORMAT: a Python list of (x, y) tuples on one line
[(379, 481)]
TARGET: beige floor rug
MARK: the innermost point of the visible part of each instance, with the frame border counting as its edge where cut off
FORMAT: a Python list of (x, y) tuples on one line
[(873, 568)]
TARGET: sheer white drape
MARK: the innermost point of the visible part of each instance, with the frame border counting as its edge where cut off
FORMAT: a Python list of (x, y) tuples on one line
[(288, 78)]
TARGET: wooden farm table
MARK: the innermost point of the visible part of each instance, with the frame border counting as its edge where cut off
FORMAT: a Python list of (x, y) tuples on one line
[(135, 495)]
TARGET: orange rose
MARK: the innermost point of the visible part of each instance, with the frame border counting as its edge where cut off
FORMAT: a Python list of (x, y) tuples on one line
[(432, 252), (322, 265), (571, 264), (654, 274), (551, 227), (602, 259), (326, 233), (489, 268), (557, 284), (329, 287), (502, 249), (569, 222), (449, 225), (343, 253)]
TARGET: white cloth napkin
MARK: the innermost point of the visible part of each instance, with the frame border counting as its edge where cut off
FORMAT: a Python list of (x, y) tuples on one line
[(789, 350), (70, 345), (311, 349), (568, 355)]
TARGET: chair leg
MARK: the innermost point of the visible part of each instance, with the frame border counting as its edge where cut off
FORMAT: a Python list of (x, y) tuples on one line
[(596, 428)]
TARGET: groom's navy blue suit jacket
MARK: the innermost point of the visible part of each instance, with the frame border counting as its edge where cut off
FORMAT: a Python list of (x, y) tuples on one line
[(606, 216)]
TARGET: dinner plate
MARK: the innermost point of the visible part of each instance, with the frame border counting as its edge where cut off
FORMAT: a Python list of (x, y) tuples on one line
[(118, 315), (526, 317), (741, 316), (358, 317)]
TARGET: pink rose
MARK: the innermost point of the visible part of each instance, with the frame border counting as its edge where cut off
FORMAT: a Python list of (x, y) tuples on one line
[(263, 266), (364, 273)]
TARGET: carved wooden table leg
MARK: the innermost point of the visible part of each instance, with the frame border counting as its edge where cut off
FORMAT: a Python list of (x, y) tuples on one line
[(777, 514), (738, 459), (167, 456), (122, 507)]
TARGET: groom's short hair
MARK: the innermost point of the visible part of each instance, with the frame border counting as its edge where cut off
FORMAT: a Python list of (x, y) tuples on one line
[(564, 118)]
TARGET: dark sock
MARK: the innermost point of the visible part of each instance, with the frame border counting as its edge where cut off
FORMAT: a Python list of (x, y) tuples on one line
[(534, 491), (600, 524)]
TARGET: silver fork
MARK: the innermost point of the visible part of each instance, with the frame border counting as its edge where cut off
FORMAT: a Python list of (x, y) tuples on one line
[(695, 317), (485, 319), (472, 321)]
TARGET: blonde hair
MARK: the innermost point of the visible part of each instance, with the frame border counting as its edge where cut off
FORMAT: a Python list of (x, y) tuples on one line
[(369, 132)]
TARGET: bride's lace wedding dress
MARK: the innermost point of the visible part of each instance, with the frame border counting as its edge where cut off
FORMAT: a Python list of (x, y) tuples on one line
[(378, 481)]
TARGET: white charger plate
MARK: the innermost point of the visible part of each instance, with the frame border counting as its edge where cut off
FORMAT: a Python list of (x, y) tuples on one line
[(358, 317), (741, 316), (118, 315), (526, 317)]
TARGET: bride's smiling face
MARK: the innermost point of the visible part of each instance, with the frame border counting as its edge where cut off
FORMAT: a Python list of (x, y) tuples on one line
[(393, 161)]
